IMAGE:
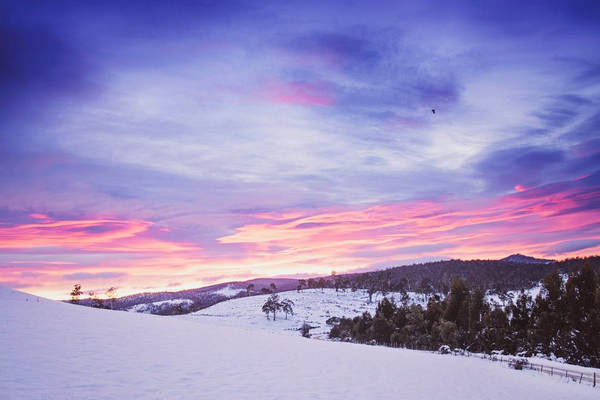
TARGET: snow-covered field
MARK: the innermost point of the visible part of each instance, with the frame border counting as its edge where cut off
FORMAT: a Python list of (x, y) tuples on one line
[(312, 305), (147, 307), (53, 350)]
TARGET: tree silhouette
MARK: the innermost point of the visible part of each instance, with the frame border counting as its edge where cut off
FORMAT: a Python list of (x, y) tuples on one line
[(111, 293), (249, 288), (76, 293), (287, 307), (272, 305)]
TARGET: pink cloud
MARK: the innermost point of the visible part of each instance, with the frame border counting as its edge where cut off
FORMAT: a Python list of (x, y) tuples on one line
[(301, 93), (39, 216), (98, 235), (540, 222)]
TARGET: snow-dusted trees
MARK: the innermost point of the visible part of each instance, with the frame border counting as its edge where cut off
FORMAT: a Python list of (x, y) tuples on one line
[(76, 293), (273, 304), (287, 307), (249, 289), (563, 320)]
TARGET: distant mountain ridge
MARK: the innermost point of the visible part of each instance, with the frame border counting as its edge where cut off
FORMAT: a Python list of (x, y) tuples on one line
[(520, 258), (515, 272), (201, 297)]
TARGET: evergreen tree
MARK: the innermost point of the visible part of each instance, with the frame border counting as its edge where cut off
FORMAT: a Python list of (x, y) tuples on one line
[(287, 307), (549, 312), (272, 305), (521, 321), (580, 299), (76, 293)]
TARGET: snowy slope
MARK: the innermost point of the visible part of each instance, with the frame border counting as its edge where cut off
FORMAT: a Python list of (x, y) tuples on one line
[(313, 306), (53, 350), (147, 307)]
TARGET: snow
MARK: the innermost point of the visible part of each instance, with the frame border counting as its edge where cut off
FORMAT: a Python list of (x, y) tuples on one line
[(53, 350), (533, 292), (312, 306), (228, 291), (147, 307)]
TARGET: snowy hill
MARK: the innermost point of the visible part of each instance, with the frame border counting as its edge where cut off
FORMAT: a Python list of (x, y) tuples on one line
[(198, 298), (52, 350), (312, 306), (520, 258)]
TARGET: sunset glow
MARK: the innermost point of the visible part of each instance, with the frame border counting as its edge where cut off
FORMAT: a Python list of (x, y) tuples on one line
[(154, 148)]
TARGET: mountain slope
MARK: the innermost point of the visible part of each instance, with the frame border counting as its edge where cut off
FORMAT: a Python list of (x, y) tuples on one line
[(53, 350), (520, 258)]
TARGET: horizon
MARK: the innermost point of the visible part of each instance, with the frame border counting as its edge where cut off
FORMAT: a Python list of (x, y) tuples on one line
[(154, 147)]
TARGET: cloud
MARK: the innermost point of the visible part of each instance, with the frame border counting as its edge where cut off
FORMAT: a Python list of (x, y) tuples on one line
[(97, 235), (572, 245), (82, 276), (301, 93), (529, 221), (524, 166)]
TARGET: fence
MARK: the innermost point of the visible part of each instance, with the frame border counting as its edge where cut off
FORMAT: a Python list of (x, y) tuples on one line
[(577, 376)]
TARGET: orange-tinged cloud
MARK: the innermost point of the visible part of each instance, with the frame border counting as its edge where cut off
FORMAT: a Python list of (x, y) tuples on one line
[(314, 241), (86, 235)]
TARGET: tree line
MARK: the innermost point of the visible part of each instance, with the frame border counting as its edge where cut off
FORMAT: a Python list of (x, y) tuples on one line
[(562, 321), (96, 302)]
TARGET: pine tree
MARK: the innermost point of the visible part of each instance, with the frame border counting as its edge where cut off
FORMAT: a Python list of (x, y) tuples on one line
[(521, 321)]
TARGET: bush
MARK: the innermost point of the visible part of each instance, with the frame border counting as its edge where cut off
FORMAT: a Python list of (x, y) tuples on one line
[(444, 349), (518, 363), (305, 330)]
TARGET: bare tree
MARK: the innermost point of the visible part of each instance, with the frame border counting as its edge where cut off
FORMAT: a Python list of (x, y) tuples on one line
[(249, 289)]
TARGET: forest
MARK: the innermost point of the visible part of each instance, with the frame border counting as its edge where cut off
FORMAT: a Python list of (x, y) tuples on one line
[(562, 321)]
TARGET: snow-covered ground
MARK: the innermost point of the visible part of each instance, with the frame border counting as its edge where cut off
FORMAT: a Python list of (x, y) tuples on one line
[(229, 291), (315, 307), (53, 350), (514, 295), (147, 307), (312, 306)]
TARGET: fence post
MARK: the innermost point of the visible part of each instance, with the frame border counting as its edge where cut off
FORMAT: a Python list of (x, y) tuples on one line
[(581, 377), (594, 379), (542, 369), (551, 371), (566, 374)]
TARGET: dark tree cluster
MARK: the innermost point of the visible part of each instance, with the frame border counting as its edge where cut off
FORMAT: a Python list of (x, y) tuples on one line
[(563, 320), (274, 304), (498, 276)]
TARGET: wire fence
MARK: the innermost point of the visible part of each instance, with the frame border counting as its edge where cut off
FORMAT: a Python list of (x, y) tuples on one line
[(591, 378)]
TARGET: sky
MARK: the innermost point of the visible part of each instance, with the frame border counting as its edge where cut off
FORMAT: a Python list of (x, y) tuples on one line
[(151, 145)]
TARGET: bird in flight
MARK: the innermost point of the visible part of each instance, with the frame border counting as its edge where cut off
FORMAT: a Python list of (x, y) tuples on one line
[(433, 110)]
